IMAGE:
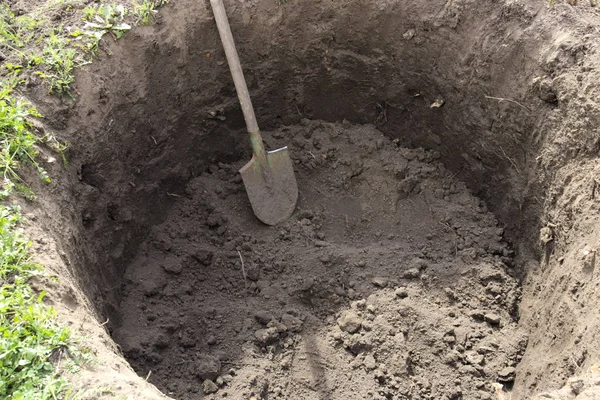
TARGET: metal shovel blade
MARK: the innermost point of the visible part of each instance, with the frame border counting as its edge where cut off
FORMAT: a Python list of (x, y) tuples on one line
[(271, 188)]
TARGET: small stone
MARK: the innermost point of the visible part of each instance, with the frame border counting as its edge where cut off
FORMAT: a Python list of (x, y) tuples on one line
[(263, 317), (265, 336), (450, 293), (292, 323), (370, 363), (451, 357), (412, 273), (359, 304), (227, 378), (506, 374), (212, 340), (278, 326), (449, 339), (494, 288), (349, 322), (401, 292), (207, 367), (305, 214), (209, 387), (337, 335), (379, 282), (577, 385), (546, 92), (418, 263), (492, 318), (286, 362), (253, 272), (172, 265), (484, 395), (409, 34), (477, 315), (475, 359), (152, 287)]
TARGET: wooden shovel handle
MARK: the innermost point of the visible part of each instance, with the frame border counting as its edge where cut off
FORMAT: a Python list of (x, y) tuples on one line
[(238, 76)]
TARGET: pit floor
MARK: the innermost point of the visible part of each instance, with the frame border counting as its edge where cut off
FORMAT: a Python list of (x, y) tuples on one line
[(390, 281)]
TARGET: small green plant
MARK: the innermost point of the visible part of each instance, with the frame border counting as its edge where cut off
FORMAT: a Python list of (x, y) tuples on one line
[(107, 18), (34, 59), (29, 337), (16, 141), (16, 32), (144, 11), (60, 60), (88, 13)]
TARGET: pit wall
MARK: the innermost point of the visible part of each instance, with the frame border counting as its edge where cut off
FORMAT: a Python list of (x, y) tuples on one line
[(510, 80)]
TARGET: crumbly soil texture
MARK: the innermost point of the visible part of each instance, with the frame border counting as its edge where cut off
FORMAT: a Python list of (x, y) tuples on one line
[(390, 281), (394, 278)]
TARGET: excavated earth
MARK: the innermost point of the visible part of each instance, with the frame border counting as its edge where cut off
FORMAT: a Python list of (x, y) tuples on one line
[(389, 274), (444, 242)]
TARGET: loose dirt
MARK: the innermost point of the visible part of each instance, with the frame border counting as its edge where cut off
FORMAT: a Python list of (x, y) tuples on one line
[(390, 281)]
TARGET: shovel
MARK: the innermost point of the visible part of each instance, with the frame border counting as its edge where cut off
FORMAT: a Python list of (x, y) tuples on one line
[(269, 176)]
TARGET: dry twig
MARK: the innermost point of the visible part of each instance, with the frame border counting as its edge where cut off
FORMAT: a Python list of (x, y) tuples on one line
[(501, 99), (245, 278)]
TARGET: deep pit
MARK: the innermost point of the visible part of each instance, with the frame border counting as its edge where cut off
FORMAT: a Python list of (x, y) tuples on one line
[(432, 141)]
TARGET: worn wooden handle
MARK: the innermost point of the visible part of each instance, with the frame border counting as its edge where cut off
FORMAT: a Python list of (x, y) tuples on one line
[(234, 66)]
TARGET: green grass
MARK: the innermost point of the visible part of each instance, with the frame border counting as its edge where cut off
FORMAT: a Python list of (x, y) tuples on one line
[(32, 47), (35, 45), (17, 141), (60, 61), (29, 335)]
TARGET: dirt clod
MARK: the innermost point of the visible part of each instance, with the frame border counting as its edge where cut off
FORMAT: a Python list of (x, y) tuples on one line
[(209, 387)]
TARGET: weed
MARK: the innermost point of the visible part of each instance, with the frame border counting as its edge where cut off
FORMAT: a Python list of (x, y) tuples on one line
[(16, 141), (34, 59), (9, 35), (60, 61), (29, 337), (107, 18), (88, 13), (144, 11)]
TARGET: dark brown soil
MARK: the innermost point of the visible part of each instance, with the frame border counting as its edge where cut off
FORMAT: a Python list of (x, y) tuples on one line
[(151, 213), (390, 273)]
